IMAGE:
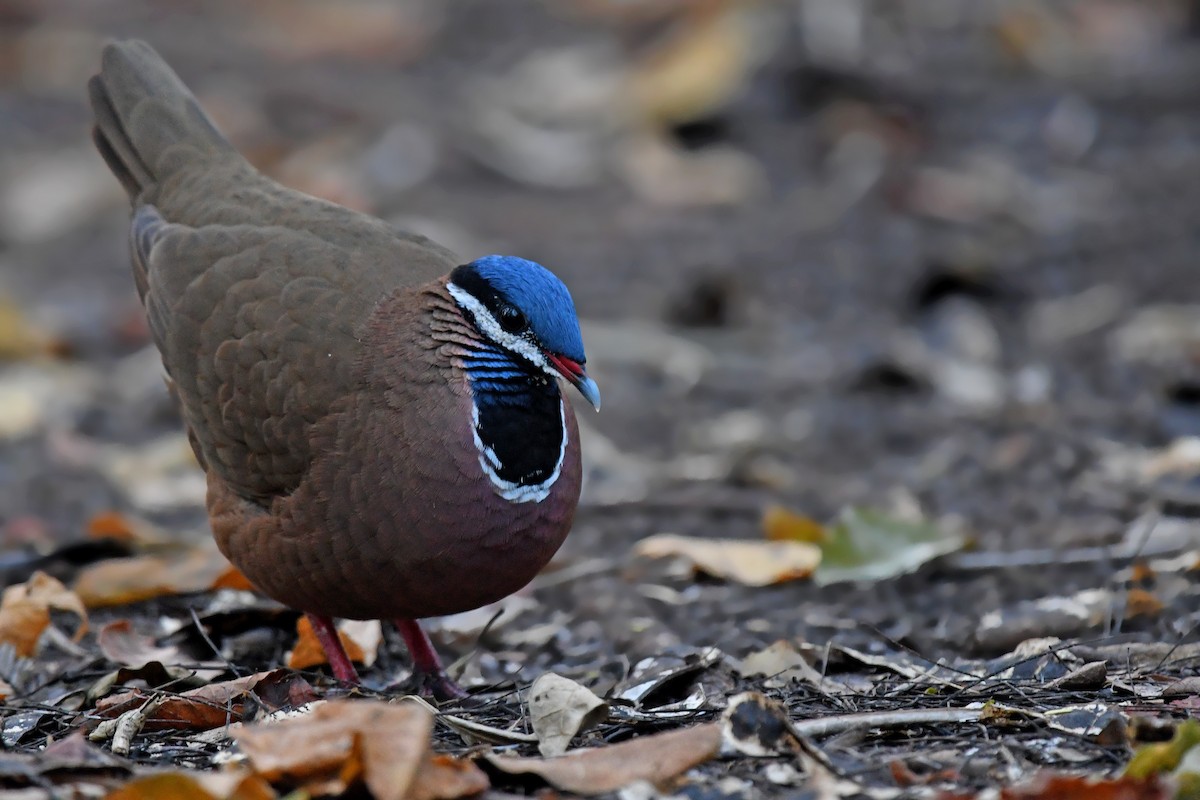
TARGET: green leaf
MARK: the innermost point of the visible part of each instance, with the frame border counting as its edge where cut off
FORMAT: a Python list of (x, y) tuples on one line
[(1164, 757), (866, 545)]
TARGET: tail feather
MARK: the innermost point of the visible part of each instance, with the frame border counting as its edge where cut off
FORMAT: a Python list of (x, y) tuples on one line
[(147, 124)]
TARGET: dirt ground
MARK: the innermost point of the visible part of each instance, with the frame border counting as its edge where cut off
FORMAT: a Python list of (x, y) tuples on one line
[(931, 258)]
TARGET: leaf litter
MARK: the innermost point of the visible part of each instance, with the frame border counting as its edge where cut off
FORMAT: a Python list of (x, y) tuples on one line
[(913, 669)]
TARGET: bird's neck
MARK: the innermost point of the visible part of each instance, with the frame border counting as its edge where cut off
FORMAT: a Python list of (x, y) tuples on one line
[(518, 414), (518, 422)]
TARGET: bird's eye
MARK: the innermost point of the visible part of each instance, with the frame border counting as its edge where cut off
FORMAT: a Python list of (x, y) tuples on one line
[(511, 319)]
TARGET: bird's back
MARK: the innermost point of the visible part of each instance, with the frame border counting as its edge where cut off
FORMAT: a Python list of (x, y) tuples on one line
[(256, 294)]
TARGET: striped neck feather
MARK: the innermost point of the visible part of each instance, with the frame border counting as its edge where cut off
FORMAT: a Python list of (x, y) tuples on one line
[(518, 421)]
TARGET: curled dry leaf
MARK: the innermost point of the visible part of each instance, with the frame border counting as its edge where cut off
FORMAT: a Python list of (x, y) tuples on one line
[(384, 745), (25, 611), (656, 759), (747, 562), (559, 708), (120, 581), (216, 704)]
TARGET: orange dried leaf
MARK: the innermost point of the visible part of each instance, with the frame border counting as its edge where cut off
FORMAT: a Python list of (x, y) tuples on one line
[(601, 770), (120, 581), (111, 525), (308, 651), (168, 786), (1142, 573), (232, 578), (25, 611), (1140, 603), (783, 525), (384, 744)]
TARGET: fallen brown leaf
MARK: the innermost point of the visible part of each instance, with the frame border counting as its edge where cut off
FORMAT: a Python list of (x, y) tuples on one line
[(120, 581), (1071, 787), (216, 704), (121, 644), (184, 786), (385, 745), (600, 770), (308, 651), (25, 611), (1141, 603), (747, 562)]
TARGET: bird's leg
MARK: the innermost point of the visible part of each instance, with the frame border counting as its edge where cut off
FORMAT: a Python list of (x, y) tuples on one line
[(331, 643), (427, 667)]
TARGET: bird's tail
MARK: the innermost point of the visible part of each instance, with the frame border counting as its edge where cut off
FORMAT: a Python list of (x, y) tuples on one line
[(148, 125)]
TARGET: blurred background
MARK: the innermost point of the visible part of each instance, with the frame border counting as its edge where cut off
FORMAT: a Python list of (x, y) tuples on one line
[(936, 257)]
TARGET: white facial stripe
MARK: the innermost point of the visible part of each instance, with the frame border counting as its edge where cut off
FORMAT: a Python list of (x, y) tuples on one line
[(489, 327), (514, 492)]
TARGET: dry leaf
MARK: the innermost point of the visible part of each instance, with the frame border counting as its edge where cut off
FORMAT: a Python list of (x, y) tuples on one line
[(216, 704), (600, 770), (167, 786), (111, 525), (25, 611), (1140, 602), (695, 70), (383, 744), (779, 663), (1072, 787), (559, 709), (784, 525), (308, 652), (746, 562), (233, 785), (232, 578), (120, 581), (128, 529), (21, 338), (122, 645)]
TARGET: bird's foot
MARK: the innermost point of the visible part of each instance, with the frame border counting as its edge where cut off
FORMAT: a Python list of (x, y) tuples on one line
[(339, 661), (440, 686), (428, 673)]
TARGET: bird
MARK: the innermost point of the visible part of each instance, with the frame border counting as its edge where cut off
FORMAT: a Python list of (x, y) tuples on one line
[(381, 424)]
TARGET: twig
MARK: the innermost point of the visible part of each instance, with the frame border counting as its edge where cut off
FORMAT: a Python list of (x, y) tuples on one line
[(884, 719), (212, 646)]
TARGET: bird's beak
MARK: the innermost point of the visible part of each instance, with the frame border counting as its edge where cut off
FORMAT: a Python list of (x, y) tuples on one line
[(574, 372)]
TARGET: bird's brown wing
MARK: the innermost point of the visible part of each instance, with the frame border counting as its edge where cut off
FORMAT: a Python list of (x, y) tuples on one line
[(259, 331)]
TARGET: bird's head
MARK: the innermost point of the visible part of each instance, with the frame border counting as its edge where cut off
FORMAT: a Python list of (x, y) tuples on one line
[(522, 307)]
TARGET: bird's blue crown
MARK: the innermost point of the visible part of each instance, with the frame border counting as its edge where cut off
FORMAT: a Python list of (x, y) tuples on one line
[(541, 297)]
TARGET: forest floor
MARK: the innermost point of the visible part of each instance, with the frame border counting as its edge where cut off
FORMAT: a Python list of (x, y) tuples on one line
[(908, 288)]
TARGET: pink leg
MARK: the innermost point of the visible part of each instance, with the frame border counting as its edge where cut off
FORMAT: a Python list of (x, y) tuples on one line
[(339, 662), (427, 667)]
